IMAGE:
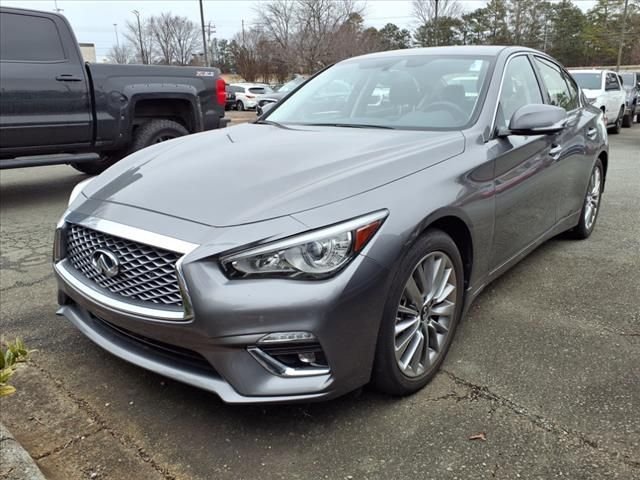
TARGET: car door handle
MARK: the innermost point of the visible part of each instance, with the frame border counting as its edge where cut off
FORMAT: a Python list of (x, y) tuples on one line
[(592, 132), (67, 77), (555, 151)]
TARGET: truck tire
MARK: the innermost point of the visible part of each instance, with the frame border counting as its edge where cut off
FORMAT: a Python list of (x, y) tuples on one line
[(95, 168), (156, 131)]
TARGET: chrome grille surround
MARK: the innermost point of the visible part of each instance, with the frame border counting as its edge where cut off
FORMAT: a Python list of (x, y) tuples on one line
[(147, 274)]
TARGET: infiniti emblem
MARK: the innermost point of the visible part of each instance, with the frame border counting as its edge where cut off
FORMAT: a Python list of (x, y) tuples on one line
[(105, 262)]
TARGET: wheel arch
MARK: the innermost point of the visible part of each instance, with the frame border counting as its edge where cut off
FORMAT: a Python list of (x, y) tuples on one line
[(604, 158), (455, 224), (180, 110)]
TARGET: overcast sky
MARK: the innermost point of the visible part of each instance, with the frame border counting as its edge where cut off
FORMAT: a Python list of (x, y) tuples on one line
[(93, 20)]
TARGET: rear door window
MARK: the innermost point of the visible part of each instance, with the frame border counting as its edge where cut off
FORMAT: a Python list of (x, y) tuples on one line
[(259, 90), (29, 38)]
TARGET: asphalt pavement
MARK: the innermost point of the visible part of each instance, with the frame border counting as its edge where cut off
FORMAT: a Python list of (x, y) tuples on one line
[(544, 373)]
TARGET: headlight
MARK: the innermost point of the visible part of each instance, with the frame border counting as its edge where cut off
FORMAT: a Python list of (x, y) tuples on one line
[(78, 189), (315, 254)]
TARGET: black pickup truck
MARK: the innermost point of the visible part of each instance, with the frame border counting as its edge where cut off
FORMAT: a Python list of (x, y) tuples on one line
[(57, 109)]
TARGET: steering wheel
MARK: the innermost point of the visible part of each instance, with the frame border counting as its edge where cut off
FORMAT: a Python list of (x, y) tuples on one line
[(455, 111)]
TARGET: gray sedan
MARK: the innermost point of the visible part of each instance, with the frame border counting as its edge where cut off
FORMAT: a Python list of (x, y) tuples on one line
[(349, 249)]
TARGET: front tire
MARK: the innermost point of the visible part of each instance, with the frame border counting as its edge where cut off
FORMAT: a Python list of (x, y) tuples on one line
[(240, 106), (420, 316), (591, 205)]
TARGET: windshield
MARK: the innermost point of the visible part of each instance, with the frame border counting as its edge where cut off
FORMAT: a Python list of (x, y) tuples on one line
[(589, 81), (290, 85), (411, 92)]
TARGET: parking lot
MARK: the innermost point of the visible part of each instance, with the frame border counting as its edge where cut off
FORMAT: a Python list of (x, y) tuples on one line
[(544, 373)]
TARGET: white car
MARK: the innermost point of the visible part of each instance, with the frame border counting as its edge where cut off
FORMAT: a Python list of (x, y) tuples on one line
[(603, 89), (247, 94)]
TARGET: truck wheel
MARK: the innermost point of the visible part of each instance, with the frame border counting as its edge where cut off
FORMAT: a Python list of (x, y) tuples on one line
[(156, 131), (95, 168)]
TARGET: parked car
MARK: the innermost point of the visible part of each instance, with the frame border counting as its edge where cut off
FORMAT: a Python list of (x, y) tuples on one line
[(231, 98), (247, 94), (350, 249), (280, 93), (56, 109), (603, 88), (631, 84)]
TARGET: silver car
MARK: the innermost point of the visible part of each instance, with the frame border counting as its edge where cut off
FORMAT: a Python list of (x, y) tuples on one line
[(349, 249)]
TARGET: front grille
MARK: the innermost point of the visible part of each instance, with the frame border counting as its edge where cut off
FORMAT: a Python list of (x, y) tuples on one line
[(145, 273)]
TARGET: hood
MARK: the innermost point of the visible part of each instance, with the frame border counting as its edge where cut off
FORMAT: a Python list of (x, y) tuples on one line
[(255, 172), (589, 93)]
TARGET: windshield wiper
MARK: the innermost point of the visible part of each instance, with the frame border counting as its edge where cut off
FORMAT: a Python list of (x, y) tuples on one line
[(270, 122), (349, 125)]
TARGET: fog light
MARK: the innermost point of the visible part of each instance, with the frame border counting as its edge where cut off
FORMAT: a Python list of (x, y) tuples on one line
[(308, 357), (287, 337)]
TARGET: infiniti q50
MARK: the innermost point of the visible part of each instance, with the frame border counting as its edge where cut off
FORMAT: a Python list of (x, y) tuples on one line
[(389, 190)]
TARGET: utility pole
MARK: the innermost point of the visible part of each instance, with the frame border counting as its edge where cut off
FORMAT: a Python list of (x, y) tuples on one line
[(204, 37), (115, 27), (622, 33), (243, 32), (143, 57), (211, 29), (435, 25), (56, 9)]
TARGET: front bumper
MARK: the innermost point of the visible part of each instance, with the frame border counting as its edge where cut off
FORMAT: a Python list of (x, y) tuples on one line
[(228, 319)]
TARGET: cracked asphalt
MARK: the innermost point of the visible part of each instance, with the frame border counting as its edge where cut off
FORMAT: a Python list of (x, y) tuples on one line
[(546, 366)]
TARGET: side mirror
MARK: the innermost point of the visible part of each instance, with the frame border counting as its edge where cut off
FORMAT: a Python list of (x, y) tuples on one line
[(536, 119), (267, 106)]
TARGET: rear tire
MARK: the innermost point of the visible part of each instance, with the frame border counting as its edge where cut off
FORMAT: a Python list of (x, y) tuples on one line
[(592, 200), (156, 131), (396, 370), (618, 125)]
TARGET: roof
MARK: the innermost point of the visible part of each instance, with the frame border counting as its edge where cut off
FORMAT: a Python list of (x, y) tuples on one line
[(590, 70), (480, 50)]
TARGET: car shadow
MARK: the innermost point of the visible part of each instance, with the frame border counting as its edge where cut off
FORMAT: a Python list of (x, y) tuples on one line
[(36, 187)]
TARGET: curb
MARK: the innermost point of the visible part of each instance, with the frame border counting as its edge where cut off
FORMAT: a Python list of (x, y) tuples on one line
[(15, 462)]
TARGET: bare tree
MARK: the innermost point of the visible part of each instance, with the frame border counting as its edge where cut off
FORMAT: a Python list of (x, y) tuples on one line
[(278, 21), (425, 11), (186, 39), (122, 53), (162, 28), (244, 48), (318, 21), (139, 33)]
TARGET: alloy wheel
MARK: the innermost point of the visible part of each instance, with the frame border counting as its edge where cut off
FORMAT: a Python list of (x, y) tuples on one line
[(592, 201), (425, 314)]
